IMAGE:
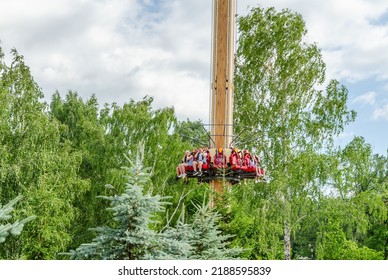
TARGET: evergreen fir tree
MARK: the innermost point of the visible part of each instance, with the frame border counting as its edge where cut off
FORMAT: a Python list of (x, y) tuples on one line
[(207, 241), (203, 236), (131, 237), (5, 214), (175, 241)]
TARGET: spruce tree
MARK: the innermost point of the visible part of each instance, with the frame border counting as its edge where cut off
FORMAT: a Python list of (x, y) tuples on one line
[(203, 235), (8, 228), (174, 243), (130, 236), (207, 241)]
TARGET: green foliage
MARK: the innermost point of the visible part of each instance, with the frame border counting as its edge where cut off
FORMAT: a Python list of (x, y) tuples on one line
[(82, 129), (354, 201), (37, 164), (104, 137), (53, 157), (203, 235), (207, 241), (131, 236), (327, 203), (16, 227), (137, 122), (333, 245), (255, 221), (278, 76), (193, 133)]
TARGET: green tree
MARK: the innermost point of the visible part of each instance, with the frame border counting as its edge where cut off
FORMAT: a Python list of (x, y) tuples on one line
[(131, 234), (208, 240), (353, 200), (278, 96), (377, 237), (37, 164), (194, 133), (103, 138), (203, 235), (334, 246), (358, 181), (255, 220), (83, 129)]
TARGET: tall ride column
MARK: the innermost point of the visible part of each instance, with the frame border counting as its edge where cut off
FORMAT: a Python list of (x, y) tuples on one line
[(222, 78)]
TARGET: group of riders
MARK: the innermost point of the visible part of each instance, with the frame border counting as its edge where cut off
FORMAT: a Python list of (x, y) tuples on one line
[(203, 159)]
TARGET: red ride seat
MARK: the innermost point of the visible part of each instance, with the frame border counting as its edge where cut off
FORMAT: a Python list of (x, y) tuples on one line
[(251, 169), (244, 168), (189, 168), (235, 167)]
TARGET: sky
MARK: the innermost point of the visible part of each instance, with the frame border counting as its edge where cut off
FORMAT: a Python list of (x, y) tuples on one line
[(127, 49)]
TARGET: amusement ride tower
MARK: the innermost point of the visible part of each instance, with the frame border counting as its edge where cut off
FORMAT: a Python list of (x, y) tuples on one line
[(222, 88)]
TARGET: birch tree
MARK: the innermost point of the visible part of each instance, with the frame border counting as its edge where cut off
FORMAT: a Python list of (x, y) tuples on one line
[(35, 163), (281, 99)]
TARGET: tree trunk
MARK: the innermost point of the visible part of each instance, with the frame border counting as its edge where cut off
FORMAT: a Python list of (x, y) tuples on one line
[(287, 226), (287, 240)]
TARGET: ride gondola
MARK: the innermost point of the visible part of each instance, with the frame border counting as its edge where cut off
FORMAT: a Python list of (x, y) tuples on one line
[(227, 164)]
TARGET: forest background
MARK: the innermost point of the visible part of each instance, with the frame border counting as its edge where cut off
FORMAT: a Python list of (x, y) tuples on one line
[(321, 202)]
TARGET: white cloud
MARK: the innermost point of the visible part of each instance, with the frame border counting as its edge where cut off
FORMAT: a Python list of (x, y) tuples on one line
[(381, 113), (122, 49), (117, 49), (368, 98), (126, 49), (353, 43), (346, 135)]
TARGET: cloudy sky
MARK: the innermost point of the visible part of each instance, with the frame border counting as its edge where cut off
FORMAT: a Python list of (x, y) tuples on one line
[(126, 49)]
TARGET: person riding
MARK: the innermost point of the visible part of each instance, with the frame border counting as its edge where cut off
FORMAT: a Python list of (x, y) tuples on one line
[(187, 160), (200, 160), (246, 158), (235, 158), (260, 172)]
